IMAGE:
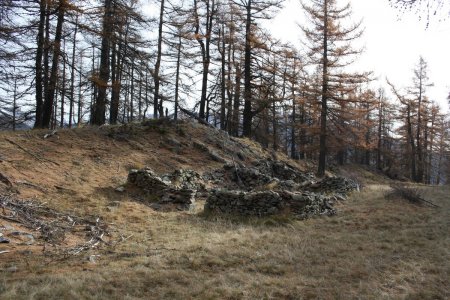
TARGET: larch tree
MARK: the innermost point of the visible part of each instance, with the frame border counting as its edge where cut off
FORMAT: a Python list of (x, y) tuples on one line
[(254, 9), (98, 117), (330, 47), (417, 91)]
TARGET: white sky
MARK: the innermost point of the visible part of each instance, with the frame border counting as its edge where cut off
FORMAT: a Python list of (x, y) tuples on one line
[(393, 43)]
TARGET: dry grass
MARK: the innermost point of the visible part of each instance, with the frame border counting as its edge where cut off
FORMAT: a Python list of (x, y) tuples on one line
[(373, 248)]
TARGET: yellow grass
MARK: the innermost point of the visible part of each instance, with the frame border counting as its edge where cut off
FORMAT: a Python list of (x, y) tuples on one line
[(374, 248)]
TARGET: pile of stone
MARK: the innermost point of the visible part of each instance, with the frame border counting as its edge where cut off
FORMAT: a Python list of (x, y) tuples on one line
[(340, 185), (147, 180), (185, 179), (174, 191), (264, 172), (267, 203)]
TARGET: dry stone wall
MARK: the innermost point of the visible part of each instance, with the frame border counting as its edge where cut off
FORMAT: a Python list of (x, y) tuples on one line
[(263, 189), (267, 203), (173, 191)]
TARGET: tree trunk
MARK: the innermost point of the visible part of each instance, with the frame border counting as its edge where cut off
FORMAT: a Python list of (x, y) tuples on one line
[(379, 144), (80, 102), (72, 75), (63, 91), (157, 104), (420, 163), (324, 107), (247, 115), (411, 143), (48, 103), (222, 82), (100, 102), (38, 65), (177, 78), (236, 103)]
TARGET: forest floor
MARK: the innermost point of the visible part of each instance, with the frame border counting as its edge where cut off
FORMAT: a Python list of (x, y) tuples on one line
[(374, 248)]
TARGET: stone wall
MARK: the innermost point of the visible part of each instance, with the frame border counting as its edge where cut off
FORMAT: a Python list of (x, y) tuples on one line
[(264, 189), (174, 191), (267, 203)]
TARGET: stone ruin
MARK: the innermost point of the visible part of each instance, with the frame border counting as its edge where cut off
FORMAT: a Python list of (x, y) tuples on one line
[(170, 191), (263, 189), (267, 203)]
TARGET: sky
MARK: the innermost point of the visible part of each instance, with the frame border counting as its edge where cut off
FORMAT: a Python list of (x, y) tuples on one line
[(392, 41)]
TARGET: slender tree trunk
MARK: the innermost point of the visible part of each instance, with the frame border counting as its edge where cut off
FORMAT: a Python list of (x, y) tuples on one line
[(100, 102), (324, 106), (177, 78), (294, 153), (411, 143), (380, 136), (46, 58), (157, 103), (38, 65), (247, 115), (14, 105), (132, 92), (72, 75), (229, 85), (140, 97), (49, 101), (222, 82), (115, 89), (80, 102), (236, 103), (63, 91), (420, 163)]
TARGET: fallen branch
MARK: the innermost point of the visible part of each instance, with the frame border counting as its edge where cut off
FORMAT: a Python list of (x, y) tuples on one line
[(192, 115), (52, 225), (31, 185), (43, 159), (5, 180), (409, 193)]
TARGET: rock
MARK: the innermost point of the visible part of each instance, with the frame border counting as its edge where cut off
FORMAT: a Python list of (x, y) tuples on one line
[(120, 189), (183, 199), (8, 227), (12, 269), (176, 190), (148, 180), (4, 240), (26, 238), (186, 179)]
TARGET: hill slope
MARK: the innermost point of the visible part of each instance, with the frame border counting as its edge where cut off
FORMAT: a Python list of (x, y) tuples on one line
[(373, 248)]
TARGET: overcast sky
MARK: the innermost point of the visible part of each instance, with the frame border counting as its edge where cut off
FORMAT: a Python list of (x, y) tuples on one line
[(393, 43)]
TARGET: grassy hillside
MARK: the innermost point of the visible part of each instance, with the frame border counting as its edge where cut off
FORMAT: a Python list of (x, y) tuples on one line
[(374, 248)]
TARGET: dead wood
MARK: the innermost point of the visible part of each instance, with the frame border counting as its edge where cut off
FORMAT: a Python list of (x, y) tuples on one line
[(409, 193), (42, 159), (53, 226), (192, 115), (5, 180), (23, 182)]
